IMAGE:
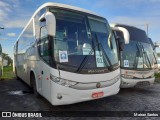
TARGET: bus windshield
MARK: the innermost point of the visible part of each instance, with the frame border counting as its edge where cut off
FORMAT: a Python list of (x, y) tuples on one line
[(83, 41), (138, 54)]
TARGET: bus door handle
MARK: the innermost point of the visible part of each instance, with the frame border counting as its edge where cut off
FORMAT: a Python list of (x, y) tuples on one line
[(42, 72)]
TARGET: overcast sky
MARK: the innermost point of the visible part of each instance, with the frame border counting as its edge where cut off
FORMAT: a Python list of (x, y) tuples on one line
[(14, 15)]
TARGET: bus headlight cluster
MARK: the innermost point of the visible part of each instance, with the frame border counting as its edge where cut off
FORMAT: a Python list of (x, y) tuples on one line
[(62, 81), (127, 76)]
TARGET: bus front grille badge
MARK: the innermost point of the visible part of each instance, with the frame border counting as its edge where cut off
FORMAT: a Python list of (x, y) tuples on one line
[(98, 85), (143, 76)]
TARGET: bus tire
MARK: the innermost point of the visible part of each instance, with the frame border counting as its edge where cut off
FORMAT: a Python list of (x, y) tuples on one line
[(33, 85)]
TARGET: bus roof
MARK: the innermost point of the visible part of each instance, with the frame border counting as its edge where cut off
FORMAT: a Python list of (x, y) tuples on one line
[(123, 25), (51, 4), (65, 6), (136, 34)]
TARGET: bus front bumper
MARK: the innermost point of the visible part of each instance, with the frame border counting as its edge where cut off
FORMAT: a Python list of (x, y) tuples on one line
[(61, 95), (128, 83)]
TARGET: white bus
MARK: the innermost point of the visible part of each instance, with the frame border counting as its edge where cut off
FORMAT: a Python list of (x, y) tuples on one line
[(136, 60), (1, 62), (68, 55)]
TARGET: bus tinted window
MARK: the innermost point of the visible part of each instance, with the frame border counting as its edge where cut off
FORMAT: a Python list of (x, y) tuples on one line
[(136, 34), (27, 39)]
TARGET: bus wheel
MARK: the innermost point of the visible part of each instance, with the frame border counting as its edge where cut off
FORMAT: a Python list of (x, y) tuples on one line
[(33, 85)]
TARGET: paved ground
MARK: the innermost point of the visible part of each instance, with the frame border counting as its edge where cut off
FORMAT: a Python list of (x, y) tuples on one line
[(16, 96)]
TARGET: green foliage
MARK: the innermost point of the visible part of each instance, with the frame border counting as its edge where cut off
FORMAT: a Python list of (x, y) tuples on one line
[(158, 54), (8, 73), (157, 76), (5, 56)]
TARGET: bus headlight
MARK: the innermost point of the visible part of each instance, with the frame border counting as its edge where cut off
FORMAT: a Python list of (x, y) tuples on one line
[(127, 76), (62, 81)]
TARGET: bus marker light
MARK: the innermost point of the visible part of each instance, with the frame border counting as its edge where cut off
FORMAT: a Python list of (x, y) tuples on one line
[(98, 85), (59, 96), (97, 94)]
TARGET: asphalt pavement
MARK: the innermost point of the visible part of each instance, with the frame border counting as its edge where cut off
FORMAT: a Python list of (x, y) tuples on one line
[(17, 96)]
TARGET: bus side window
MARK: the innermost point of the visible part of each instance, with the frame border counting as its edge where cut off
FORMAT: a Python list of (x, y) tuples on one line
[(43, 45)]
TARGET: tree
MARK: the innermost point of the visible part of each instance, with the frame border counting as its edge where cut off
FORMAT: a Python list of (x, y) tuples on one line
[(5, 56), (158, 54)]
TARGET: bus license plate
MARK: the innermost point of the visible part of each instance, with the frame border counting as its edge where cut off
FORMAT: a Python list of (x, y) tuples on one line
[(97, 95)]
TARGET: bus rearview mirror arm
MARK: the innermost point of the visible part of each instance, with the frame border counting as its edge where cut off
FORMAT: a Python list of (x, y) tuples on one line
[(50, 23), (120, 43)]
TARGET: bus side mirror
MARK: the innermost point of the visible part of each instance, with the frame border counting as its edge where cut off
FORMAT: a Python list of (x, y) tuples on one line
[(50, 23), (154, 47), (125, 33), (120, 43)]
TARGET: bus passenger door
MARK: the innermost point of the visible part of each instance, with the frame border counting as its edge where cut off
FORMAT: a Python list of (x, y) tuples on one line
[(47, 27), (44, 62)]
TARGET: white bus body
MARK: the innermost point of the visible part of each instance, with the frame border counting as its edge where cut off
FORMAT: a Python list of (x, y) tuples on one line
[(136, 60), (62, 52)]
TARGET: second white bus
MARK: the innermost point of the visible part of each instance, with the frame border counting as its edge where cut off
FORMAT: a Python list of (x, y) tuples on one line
[(136, 60)]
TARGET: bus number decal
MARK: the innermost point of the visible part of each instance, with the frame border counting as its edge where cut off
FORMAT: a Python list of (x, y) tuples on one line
[(63, 56), (126, 63), (99, 59)]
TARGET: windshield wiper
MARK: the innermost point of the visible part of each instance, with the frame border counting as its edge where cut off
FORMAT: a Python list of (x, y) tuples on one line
[(84, 61), (103, 51), (146, 56), (155, 58), (138, 54)]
